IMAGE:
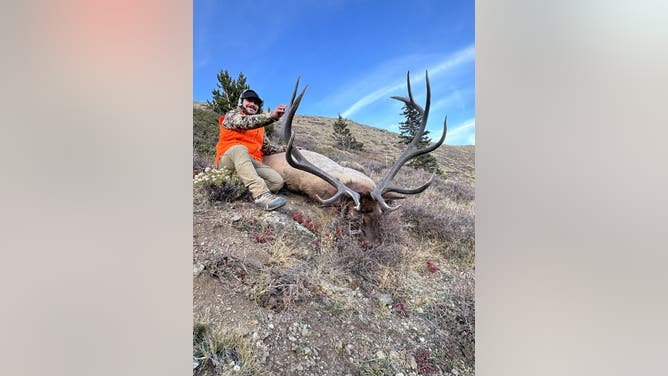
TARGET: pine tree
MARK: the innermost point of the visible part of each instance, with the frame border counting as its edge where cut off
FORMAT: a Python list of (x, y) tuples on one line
[(227, 92), (408, 130), (343, 137)]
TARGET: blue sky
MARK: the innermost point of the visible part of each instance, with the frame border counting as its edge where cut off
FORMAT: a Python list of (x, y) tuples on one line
[(353, 55)]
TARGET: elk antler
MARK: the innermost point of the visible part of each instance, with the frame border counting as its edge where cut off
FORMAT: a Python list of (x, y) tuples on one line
[(286, 124), (295, 158), (411, 151)]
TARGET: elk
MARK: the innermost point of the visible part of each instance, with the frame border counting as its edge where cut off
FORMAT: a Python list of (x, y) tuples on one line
[(318, 176)]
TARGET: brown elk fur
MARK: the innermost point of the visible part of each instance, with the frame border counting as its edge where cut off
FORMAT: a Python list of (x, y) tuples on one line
[(302, 181)]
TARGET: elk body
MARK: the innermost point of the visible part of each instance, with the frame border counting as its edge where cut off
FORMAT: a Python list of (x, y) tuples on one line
[(324, 180)]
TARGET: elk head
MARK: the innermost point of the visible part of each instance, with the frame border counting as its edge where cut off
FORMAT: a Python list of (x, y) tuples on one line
[(326, 181)]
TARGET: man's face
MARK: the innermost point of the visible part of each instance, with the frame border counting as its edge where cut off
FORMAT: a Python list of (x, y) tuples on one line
[(251, 105)]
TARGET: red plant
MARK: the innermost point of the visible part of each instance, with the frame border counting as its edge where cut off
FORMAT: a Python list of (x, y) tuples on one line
[(424, 364), (299, 218), (401, 308), (263, 237), (432, 267)]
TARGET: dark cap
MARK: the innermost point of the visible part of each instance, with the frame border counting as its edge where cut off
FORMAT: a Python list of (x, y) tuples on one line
[(248, 94)]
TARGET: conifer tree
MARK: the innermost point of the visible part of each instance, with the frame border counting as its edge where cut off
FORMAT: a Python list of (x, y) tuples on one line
[(343, 137), (408, 129), (227, 92)]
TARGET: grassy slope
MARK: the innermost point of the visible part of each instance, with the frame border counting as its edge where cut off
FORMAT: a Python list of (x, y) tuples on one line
[(302, 290)]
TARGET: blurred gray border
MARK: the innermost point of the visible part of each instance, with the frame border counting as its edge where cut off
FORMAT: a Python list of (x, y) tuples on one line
[(571, 182), (571, 187), (96, 198)]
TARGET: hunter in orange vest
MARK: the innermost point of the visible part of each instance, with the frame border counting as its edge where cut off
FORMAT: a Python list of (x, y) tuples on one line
[(242, 143)]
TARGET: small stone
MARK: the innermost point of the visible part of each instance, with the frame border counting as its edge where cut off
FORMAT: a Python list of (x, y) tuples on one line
[(271, 326), (380, 355), (236, 368), (198, 268), (411, 361), (421, 339), (292, 339), (385, 299)]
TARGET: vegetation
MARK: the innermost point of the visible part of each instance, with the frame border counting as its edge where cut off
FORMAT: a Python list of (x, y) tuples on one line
[(408, 129), (221, 185), (227, 92), (205, 132), (343, 137), (216, 354), (309, 298)]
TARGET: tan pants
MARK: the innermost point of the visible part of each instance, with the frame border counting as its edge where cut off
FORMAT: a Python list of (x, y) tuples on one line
[(258, 178)]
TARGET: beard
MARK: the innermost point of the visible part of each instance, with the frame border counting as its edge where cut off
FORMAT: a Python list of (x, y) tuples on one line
[(250, 109)]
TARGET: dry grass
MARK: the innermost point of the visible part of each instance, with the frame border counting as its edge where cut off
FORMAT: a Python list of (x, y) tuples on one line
[(424, 259), (218, 354)]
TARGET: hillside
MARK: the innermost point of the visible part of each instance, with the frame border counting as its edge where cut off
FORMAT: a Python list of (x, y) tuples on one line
[(293, 292)]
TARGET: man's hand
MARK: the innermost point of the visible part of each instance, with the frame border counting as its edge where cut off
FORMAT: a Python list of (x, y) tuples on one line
[(278, 111)]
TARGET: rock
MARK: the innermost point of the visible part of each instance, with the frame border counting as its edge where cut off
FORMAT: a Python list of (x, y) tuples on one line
[(385, 298), (292, 339), (197, 269), (380, 355), (394, 355), (411, 361)]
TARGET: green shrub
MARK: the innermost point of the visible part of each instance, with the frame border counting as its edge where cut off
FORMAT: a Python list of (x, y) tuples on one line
[(218, 185), (205, 131)]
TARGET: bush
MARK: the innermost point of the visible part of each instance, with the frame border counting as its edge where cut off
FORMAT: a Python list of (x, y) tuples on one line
[(205, 131), (218, 185), (454, 227)]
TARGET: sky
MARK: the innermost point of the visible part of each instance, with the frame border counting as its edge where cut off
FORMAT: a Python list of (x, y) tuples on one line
[(352, 54)]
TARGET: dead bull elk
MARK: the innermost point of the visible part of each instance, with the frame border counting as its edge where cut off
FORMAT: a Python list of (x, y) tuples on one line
[(318, 176)]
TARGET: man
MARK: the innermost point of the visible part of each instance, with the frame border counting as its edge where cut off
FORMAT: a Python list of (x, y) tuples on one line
[(242, 143)]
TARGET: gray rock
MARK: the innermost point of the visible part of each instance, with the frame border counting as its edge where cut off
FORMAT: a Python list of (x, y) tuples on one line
[(385, 298)]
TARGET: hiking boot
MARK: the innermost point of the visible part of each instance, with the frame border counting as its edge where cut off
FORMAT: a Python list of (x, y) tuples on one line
[(268, 201)]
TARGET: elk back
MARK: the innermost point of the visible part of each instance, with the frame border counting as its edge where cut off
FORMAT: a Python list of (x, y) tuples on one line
[(311, 185)]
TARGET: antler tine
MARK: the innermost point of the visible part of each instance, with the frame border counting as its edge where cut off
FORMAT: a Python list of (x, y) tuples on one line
[(409, 153), (297, 160), (286, 127)]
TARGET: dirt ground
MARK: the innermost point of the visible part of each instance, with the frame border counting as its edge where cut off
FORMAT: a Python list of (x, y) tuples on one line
[(269, 280)]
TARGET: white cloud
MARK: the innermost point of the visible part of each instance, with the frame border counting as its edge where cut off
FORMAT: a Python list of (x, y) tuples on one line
[(462, 134), (463, 56)]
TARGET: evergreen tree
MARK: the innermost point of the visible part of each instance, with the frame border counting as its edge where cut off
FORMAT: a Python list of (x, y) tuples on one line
[(343, 137), (227, 92), (408, 130)]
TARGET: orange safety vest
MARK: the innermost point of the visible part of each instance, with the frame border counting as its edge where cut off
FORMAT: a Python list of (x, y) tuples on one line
[(251, 139)]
